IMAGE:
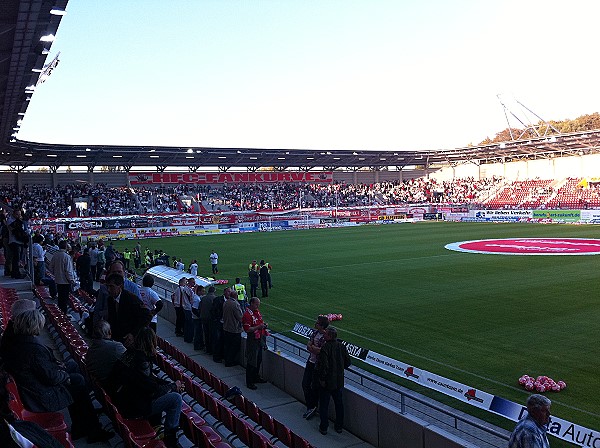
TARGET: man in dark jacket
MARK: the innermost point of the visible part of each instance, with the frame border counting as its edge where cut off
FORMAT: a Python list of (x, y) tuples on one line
[(206, 303), (333, 359), (126, 312), (84, 271), (264, 279), (217, 325)]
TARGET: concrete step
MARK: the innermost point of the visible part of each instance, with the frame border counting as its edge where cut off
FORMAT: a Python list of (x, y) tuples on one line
[(18, 284), (26, 295)]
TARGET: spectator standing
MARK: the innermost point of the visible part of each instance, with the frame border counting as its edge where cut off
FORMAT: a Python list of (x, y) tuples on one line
[(17, 239), (101, 264), (117, 267), (150, 299), (530, 432), (264, 279), (332, 360), (177, 298), (187, 299), (179, 265), (198, 334), (310, 384), (5, 244), (255, 329), (39, 260), (61, 267), (93, 260), (84, 271), (206, 303), (110, 254), (217, 325), (214, 262), (254, 276), (232, 330)]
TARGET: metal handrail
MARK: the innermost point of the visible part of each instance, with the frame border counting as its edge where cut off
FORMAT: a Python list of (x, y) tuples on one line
[(282, 343)]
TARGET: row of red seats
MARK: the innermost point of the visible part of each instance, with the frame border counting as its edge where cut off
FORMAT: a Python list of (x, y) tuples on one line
[(75, 344), (246, 425), (53, 422)]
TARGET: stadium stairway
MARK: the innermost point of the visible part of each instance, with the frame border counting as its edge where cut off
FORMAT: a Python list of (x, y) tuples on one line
[(268, 397)]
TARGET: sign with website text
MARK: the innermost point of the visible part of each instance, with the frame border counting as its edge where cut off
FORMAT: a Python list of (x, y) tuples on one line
[(558, 427)]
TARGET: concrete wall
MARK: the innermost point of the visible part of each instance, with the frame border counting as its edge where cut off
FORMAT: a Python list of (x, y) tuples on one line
[(372, 420)]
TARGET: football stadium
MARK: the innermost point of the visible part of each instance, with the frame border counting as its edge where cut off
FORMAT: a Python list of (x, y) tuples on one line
[(448, 286)]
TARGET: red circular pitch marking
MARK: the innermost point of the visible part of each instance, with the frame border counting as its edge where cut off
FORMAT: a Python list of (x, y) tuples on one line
[(529, 246)]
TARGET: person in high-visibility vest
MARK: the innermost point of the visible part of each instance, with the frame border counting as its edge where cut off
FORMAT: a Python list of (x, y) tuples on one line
[(241, 293), (127, 257), (253, 266), (269, 267)]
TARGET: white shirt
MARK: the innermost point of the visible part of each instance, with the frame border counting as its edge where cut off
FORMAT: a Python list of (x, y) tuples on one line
[(214, 258), (195, 305), (37, 252), (180, 266), (194, 269), (149, 298)]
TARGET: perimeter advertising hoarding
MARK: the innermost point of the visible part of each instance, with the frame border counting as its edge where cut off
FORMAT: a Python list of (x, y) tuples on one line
[(558, 427), (500, 215), (200, 178), (558, 215), (590, 216)]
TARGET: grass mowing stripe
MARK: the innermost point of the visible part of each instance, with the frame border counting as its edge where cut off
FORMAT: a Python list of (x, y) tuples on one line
[(401, 260), (495, 316), (458, 369)]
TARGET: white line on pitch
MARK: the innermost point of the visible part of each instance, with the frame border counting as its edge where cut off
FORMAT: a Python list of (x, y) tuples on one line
[(433, 360)]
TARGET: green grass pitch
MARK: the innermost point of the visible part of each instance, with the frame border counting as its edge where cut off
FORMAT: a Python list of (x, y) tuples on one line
[(483, 320)]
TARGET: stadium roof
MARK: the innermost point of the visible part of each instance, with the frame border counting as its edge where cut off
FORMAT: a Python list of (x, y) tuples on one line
[(27, 28)]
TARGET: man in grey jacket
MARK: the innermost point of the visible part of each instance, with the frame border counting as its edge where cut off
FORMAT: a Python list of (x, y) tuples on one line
[(232, 330), (61, 266)]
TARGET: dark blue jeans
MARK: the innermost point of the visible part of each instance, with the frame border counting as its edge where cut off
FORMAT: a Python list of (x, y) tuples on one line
[(311, 392), (198, 335), (324, 396), (188, 326)]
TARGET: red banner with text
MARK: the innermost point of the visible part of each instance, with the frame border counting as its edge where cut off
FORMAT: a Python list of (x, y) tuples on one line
[(230, 178)]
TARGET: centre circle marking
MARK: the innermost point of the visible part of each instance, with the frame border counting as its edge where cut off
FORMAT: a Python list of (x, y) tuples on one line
[(529, 246)]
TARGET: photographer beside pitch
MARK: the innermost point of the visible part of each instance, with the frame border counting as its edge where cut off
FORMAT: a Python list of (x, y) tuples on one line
[(530, 432)]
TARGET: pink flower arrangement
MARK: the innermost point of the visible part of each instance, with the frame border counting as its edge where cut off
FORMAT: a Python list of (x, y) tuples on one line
[(541, 384)]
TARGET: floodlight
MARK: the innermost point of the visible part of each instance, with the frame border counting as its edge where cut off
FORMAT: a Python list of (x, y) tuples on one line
[(47, 38), (57, 12)]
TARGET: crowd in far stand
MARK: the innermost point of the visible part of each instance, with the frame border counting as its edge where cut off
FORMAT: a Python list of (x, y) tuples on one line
[(101, 200), (287, 196)]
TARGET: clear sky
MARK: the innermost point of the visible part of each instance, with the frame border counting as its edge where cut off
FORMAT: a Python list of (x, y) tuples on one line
[(314, 74)]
